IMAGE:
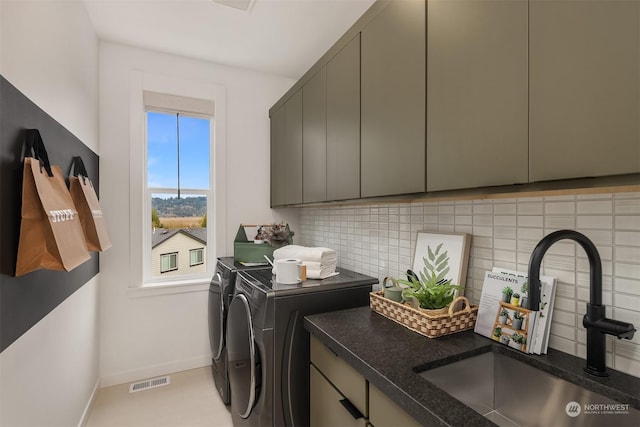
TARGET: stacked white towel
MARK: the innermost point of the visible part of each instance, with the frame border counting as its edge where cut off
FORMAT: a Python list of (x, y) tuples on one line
[(321, 262)]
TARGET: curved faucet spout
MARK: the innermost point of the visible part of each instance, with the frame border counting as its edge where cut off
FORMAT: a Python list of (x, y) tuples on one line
[(595, 266), (594, 320)]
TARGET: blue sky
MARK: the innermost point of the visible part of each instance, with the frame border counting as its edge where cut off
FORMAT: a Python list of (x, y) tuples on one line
[(162, 151)]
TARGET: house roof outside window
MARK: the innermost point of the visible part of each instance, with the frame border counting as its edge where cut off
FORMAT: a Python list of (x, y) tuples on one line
[(162, 234)]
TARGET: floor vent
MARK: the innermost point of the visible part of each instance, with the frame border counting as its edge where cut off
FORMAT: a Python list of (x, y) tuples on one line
[(147, 384)]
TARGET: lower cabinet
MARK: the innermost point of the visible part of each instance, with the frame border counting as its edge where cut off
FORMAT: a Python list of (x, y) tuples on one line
[(340, 396), (329, 407), (338, 393), (383, 412)]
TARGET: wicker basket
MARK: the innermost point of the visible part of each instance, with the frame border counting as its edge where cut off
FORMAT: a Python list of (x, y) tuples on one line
[(423, 323)]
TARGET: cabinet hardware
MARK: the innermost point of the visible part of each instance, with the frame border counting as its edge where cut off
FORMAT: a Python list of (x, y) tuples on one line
[(355, 413)]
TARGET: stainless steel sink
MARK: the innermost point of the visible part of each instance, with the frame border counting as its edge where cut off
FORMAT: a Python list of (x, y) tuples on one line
[(512, 393)]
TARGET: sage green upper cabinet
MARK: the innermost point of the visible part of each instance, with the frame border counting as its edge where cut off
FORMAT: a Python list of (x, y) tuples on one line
[(292, 154), (343, 123), (584, 88), (393, 82), (277, 157), (477, 105), (314, 138)]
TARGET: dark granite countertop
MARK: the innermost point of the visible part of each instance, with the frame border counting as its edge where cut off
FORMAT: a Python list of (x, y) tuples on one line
[(390, 357)]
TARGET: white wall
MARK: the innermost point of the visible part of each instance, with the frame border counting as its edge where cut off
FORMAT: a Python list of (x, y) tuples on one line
[(142, 333), (49, 51)]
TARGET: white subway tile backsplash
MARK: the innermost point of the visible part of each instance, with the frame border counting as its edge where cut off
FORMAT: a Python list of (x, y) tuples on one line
[(380, 239), (562, 344), (504, 220), (626, 206), (530, 221), (463, 209), (565, 304), (530, 208), (594, 196), (627, 270), (595, 222), (628, 238), (507, 244), (463, 220), (627, 286), (446, 209), (563, 331), (629, 366), (593, 207), (559, 208), (560, 222), (565, 318), (482, 231), (505, 208), (629, 302), (483, 209), (627, 222)]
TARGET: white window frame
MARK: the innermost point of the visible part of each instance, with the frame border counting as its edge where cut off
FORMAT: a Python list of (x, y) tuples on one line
[(141, 282), (194, 251), (170, 254)]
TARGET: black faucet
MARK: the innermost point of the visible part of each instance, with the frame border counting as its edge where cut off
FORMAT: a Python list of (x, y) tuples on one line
[(594, 321)]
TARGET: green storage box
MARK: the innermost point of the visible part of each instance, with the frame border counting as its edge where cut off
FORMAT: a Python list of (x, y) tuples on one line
[(245, 250)]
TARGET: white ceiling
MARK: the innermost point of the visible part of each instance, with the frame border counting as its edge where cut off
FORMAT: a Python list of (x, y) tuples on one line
[(283, 37)]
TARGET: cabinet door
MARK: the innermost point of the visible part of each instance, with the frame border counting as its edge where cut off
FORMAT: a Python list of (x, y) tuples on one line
[(293, 149), (277, 157), (326, 409), (346, 379), (393, 100), (343, 123), (314, 138), (383, 412), (477, 101), (584, 88)]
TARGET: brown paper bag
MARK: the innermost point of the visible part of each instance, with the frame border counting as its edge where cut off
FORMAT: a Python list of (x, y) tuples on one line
[(50, 231), (86, 201)]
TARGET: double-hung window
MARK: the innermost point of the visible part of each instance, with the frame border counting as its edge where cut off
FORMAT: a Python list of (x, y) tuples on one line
[(178, 194), (196, 257), (168, 262)]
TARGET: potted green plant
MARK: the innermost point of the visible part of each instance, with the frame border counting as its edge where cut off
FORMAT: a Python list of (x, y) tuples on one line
[(431, 290), (506, 294), (518, 319), (504, 316), (515, 299), (524, 300), (518, 340), (497, 333)]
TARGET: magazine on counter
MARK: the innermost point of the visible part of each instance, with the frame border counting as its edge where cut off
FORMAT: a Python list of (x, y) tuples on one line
[(504, 314), (547, 298)]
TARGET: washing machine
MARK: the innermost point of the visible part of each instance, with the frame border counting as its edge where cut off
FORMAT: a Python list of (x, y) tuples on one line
[(268, 347), (220, 294)]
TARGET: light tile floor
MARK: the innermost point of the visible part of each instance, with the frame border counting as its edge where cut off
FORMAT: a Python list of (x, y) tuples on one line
[(191, 400)]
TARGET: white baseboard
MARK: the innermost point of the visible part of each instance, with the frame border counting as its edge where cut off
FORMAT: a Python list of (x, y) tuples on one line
[(155, 370), (89, 405)]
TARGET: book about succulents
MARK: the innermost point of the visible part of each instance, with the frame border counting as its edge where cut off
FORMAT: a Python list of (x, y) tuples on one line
[(504, 313)]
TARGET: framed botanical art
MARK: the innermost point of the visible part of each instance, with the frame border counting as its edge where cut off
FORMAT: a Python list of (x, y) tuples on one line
[(448, 253)]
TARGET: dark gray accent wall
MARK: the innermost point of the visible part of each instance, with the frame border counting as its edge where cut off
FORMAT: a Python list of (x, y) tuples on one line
[(27, 299)]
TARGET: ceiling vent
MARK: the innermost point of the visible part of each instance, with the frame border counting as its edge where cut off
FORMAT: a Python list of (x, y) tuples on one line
[(147, 384), (244, 5)]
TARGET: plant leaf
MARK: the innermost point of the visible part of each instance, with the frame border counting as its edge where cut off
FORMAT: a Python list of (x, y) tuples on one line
[(441, 258)]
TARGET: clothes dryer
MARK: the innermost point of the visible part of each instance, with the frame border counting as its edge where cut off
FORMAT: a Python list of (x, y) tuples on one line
[(268, 347), (220, 294)]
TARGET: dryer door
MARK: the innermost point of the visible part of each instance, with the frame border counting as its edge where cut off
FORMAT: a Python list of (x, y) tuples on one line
[(243, 361), (216, 316)]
